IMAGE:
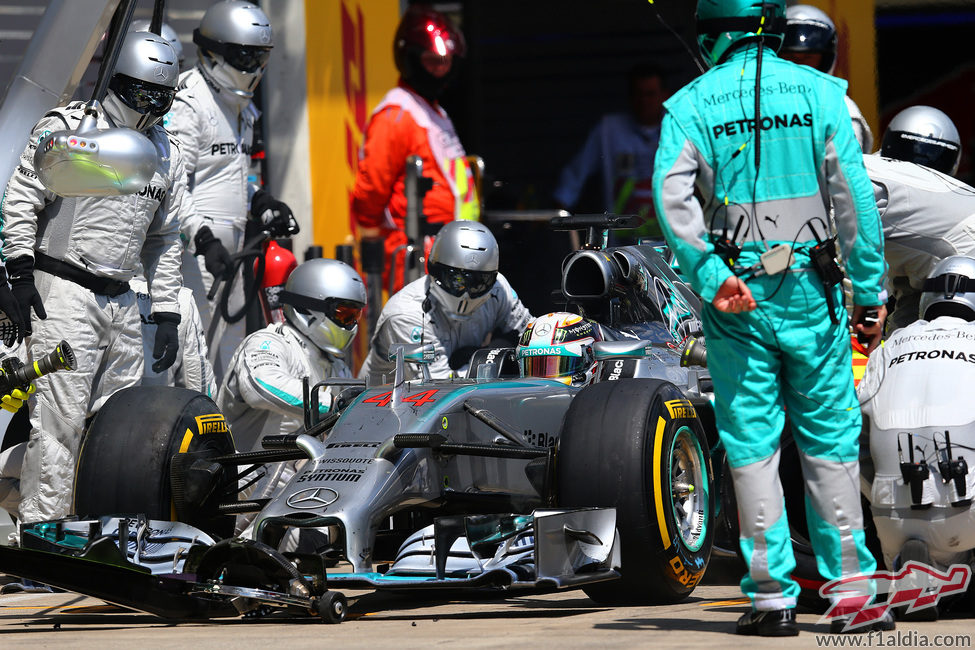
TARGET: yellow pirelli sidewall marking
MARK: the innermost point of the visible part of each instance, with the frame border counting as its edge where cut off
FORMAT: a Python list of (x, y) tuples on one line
[(657, 494), (187, 438), (211, 423), (680, 408)]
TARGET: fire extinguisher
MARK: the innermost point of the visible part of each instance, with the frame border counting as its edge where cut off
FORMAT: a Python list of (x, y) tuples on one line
[(279, 262)]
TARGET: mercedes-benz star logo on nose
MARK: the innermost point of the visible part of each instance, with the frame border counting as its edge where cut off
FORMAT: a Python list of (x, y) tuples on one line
[(311, 498)]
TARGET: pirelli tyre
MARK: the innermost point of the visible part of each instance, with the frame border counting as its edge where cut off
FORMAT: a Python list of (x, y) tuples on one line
[(129, 451), (637, 445)]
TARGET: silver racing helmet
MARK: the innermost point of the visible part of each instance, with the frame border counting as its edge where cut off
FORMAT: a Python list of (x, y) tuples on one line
[(234, 42), (142, 25), (323, 300), (143, 85), (463, 267), (950, 289), (810, 31), (923, 135)]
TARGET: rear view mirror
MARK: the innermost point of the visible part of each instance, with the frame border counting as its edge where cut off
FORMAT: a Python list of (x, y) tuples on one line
[(626, 349), (89, 161)]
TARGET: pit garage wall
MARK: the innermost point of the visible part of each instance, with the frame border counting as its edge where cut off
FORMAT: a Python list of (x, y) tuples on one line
[(334, 64)]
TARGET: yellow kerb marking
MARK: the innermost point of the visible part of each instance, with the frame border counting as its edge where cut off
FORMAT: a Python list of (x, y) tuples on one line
[(657, 492)]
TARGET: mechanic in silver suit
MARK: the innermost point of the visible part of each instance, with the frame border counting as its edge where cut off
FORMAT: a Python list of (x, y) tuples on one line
[(915, 394), (70, 260), (457, 307), (214, 117), (810, 39), (167, 32), (262, 392)]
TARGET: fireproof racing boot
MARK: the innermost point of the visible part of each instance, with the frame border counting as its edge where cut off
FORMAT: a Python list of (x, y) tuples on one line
[(915, 550), (775, 622)]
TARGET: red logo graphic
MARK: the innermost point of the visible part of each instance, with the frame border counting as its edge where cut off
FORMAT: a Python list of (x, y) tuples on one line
[(916, 585)]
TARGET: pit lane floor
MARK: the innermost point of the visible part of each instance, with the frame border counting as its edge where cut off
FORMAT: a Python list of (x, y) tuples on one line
[(564, 620)]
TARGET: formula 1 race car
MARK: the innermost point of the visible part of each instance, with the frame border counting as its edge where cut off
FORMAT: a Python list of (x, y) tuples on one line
[(492, 481)]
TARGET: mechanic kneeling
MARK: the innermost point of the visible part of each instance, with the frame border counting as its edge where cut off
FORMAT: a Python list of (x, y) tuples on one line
[(462, 301), (915, 393), (262, 393)]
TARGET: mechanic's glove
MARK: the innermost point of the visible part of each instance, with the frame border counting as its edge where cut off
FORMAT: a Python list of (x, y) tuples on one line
[(14, 333), (166, 344), (13, 401), (215, 256), (273, 215), (461, 357), (21, 270)]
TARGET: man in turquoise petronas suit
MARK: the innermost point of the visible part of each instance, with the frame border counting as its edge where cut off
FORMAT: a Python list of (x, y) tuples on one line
[(774, 342)]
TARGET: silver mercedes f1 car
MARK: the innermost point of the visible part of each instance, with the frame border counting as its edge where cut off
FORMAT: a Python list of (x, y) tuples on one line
[(491, 481)]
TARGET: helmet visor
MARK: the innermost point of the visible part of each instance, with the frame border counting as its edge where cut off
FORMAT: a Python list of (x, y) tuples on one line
[(246, 58), (344, 313), (142, 96), (550, 366), (457, 281), (930, 152)]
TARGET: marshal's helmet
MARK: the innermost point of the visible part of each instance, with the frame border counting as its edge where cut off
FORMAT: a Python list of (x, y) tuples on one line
[(923, 135), (143, 85), (559, 346), (722, 25), (323, 300), (950, 289), (809, 30), (425, 50)]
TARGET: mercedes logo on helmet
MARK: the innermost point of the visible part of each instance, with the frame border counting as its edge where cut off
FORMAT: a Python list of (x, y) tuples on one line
[(543, 329), (265, 35), (161, 73), (312, 498)]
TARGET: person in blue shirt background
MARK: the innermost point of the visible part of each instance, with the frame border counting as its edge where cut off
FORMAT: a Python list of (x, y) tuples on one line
[(621, 147)]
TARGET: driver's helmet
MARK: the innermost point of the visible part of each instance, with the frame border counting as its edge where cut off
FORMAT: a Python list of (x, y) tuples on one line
[(559, 346), (923, 135)]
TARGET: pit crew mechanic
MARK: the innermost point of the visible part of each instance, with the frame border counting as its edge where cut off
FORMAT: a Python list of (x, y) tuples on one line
[(262, 393), (456, 307), (213, 117), (810, 39), (918, 383), (77, 285), (773, 182), (409, 121), (927, 214)]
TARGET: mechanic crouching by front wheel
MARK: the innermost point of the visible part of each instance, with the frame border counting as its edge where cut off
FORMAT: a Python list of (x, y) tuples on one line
[(262, 393), (773, 321), (456, 308), (70, 261)]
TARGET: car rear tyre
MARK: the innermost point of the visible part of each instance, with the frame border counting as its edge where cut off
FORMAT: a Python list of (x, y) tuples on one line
[(637, 445), (126, 455)]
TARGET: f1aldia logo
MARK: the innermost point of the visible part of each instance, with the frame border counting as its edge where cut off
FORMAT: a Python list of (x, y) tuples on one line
[(916, 585)]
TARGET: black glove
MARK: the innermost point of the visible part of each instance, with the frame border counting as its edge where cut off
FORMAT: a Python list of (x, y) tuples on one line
[(166, 344), (215, 256), (504, 338), (11, 307), (273, 215), (21, 270)]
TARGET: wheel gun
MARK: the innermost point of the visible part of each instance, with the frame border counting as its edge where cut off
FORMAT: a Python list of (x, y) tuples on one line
[(16, 374)]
